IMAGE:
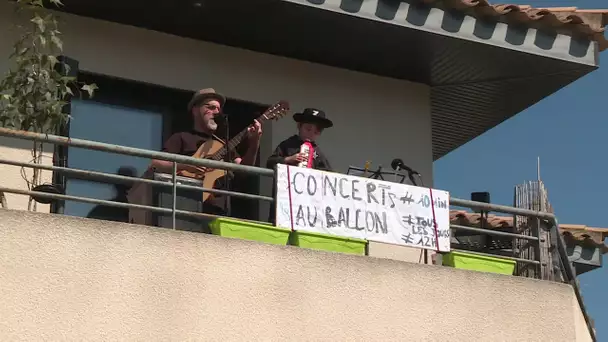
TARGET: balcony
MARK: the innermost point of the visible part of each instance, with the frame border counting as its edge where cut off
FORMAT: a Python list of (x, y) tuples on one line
[(123, 281)]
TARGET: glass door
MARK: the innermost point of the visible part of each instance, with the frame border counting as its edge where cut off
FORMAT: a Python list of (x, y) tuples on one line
[(112, 124)]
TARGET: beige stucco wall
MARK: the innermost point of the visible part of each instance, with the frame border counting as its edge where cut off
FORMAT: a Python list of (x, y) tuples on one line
[(13, 176), (64, 278), (376, 118), (581, 329)]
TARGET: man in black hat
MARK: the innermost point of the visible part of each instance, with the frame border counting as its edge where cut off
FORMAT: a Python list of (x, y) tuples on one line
[(311, 123), (205, 107)]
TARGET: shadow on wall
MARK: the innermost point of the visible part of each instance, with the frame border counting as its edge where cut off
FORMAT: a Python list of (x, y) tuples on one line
[(109, 213)]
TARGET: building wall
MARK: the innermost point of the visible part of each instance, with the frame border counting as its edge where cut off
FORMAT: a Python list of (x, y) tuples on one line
[(15, 177), (65, 278), (375, 118)]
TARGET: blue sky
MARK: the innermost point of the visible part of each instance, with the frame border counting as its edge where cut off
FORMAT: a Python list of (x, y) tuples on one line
[(566, 130)]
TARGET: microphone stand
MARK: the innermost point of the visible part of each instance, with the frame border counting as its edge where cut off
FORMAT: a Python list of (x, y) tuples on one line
[(378, 174), (410, 176)]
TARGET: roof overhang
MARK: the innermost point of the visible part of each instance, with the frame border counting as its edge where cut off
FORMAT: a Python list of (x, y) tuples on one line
[(482, 70)]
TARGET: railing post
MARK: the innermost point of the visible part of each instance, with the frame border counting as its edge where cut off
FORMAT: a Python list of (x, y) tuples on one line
[(438, 259), (554, 252), (570, 275), (275, 191), (563, 256), (544, 250), (174, 193)]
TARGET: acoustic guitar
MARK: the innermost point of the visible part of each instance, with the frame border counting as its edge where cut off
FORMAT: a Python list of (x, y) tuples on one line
[(216, 149)]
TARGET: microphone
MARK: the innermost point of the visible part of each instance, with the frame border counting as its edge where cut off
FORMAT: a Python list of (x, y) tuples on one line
[(221, 118), (397, 164)]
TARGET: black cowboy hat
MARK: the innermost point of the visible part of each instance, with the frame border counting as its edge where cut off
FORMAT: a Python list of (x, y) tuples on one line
[(312, 115), (203, 94)]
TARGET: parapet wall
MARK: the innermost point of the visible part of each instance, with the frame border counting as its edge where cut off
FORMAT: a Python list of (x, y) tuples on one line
[(66, 278)]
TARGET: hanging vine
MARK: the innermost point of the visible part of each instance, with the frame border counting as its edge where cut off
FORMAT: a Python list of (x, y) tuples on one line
[(35, 91)]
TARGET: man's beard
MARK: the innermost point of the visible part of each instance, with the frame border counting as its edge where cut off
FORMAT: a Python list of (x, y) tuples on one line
[(211, 124)]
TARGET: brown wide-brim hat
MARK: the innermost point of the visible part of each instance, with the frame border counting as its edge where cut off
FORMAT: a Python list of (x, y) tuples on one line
[(204, 94), (314, 116)]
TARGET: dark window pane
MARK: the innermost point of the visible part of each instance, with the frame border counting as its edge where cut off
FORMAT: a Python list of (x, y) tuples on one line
[(115, 125)]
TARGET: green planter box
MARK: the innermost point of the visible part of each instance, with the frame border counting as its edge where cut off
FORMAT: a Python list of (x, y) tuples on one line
[(482, 263), (326, 242), (249, 231)]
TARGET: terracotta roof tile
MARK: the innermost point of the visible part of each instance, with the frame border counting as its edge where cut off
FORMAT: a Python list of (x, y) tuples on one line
[(581, 233), (565, 20), (465, 218), (591, 235)]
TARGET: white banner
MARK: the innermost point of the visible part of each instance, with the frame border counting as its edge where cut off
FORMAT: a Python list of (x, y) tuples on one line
[(375, 210)]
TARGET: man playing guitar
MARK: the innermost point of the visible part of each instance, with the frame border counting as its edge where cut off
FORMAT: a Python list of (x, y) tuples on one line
[(204, 107)]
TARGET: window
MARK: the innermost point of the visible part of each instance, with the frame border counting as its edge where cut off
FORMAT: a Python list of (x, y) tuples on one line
[(141, 115), (115, 125)]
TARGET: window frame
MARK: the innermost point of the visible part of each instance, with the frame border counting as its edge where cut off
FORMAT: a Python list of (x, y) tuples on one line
[(111, 91)]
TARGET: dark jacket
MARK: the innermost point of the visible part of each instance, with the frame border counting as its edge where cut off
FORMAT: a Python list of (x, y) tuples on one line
[(292, 146), (288, 148)]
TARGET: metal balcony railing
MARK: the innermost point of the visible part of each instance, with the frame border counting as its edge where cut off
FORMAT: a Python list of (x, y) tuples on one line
[(551, 263)]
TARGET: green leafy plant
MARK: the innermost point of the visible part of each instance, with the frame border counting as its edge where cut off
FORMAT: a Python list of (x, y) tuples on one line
[(34, 93)]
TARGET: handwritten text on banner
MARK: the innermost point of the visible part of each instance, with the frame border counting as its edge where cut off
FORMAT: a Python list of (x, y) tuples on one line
[(349, 206)]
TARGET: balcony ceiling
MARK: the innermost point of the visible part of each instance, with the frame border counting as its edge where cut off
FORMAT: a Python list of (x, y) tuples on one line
[(482, 71)]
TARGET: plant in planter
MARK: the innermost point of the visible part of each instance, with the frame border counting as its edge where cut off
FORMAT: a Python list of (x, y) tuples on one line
[(34, 93)]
